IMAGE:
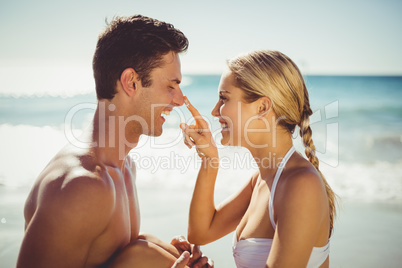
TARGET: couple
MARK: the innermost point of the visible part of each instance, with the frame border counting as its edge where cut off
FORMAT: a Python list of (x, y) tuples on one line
[(83, 209)]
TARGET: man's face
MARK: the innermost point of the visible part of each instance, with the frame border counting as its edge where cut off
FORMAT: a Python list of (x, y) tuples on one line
[(164, 93)]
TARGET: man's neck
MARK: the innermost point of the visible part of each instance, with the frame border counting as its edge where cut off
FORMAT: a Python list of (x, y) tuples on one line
[(109, 137)]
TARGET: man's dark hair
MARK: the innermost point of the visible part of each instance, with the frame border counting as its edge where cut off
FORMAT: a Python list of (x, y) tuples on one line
[(136, 42)]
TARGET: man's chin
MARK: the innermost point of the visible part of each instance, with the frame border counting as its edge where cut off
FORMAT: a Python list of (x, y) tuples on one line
[(158, 134), (155, 133)]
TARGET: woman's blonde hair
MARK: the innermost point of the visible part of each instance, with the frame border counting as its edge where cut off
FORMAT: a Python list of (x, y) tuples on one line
[(272, 74)]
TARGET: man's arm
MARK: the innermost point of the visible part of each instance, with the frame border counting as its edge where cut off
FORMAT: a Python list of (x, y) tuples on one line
[(166, 246), (142, 254), (177, 247), (68, 218)]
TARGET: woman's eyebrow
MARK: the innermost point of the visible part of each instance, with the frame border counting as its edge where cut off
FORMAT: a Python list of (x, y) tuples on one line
[(223, 91)]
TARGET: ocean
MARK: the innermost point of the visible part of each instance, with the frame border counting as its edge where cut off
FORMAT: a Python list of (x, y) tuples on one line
[(357, 129)]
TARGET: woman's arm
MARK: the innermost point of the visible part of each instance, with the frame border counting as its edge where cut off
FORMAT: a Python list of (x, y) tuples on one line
[(202, 206), (207, 223), (302, 208)]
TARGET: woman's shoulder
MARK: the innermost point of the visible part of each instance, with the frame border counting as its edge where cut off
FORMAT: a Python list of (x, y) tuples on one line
[(301, 182), (254, 179), (300, 170)]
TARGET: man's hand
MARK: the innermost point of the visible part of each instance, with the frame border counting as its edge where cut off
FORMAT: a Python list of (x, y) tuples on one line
[(197, 260)]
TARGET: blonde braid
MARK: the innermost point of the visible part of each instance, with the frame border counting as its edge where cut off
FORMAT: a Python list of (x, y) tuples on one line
[(310, 151), (305, 134)]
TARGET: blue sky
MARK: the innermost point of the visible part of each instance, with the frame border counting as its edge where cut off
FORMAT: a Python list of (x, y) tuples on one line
[(322, 37)]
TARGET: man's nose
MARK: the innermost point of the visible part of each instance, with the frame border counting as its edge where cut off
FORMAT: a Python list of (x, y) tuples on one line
[(178, 99)]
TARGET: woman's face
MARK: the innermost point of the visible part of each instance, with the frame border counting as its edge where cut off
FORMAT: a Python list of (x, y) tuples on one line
[(235, 116)]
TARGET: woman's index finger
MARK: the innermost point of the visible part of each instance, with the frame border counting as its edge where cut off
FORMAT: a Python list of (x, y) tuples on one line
[(190, 107), (197, 116)]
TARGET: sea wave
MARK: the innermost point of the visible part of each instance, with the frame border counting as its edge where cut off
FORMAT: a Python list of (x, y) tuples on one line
[(166, 162), (46, 79)]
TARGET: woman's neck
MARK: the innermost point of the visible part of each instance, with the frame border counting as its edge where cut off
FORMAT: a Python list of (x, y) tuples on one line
[(269, 157)]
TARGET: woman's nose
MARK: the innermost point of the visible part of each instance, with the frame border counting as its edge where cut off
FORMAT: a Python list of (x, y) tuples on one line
[(215, 111)]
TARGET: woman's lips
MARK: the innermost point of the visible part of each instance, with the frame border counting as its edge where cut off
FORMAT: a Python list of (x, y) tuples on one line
[(224, 126)]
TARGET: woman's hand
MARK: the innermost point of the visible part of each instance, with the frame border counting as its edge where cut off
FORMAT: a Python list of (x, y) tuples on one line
[(199, 135), (197, 259)]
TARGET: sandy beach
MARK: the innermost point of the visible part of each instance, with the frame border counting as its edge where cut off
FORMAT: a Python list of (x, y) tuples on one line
[(366, 234)]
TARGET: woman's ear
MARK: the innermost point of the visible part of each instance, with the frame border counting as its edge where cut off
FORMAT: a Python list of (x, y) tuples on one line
[(129, 81), (264, 106)]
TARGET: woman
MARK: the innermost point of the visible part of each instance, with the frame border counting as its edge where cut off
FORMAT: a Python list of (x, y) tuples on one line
[(284, 215)]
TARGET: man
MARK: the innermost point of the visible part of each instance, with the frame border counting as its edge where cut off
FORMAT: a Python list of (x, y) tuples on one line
[(83, 210)]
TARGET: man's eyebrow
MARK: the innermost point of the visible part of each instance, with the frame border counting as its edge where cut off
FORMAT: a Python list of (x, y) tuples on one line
[(175, 80)]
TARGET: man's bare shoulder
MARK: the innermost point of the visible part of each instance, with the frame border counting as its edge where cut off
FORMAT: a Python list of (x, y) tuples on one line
[(71, 167), (68, 210), (72, 181)]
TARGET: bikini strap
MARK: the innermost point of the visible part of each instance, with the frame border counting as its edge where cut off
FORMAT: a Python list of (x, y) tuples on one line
[(276, 179)]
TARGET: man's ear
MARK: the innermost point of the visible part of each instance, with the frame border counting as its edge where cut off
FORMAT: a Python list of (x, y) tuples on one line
[(130, 81), (264, 106)]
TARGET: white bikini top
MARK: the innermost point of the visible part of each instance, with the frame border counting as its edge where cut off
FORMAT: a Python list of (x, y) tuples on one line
[(253, 252)]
